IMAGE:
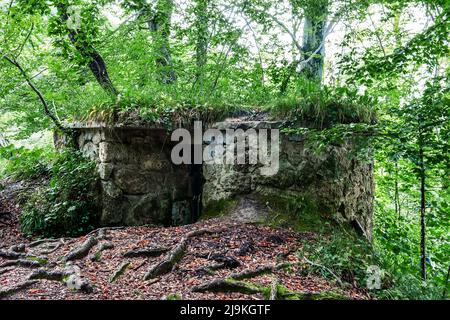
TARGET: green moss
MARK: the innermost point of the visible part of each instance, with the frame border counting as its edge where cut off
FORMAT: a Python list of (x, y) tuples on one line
[(37, 259), (97, 256), (174, 296), (299, 212), (283, 293), (218, 208)]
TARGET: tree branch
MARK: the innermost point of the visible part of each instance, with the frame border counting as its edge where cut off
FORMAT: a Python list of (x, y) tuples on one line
[(47, 111)]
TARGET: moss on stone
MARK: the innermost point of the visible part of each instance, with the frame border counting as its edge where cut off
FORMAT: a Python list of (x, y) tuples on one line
[(299, 213), (284, 293), (218, 208), (174, 296)]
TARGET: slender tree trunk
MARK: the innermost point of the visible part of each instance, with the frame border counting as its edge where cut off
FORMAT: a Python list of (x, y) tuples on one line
[(313, 36), (423, 270), (201, 28), (94, 60), (396, 195), (159, 23)]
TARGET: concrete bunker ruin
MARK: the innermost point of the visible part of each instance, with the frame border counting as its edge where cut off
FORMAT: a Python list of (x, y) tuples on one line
[(140, 184)]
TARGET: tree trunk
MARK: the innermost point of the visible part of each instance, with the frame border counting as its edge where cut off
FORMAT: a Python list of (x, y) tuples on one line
[(159, 24), (94, 60), (313, 36), (201, 28), (422, 215), (396, 195)]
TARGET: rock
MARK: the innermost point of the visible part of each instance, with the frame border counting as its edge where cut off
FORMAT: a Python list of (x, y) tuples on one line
[(105, 170), (111, 190), (74, 282)]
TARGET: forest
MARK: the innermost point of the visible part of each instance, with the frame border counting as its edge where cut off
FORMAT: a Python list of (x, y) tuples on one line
[(364, 83)]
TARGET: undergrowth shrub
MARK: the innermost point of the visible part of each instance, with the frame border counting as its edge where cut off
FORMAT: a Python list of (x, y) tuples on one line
[(23, 163), (351, 258), (68, 205)]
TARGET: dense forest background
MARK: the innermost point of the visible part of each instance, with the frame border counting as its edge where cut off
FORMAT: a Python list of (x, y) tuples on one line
[(378, 70)]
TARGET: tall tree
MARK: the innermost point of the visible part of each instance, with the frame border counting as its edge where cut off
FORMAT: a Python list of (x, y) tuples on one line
[(157, 16), (313, 47), (201, 28), (159, 22), (82, 42)]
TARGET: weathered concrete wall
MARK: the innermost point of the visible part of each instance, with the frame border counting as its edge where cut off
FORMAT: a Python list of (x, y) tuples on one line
[(140, 185), (332, 182)]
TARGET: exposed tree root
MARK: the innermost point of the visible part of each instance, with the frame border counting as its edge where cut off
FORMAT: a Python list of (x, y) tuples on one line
[(274, 290), (23, 263), (18, 248), (225, 261), (18, 287), (42, 241), (120, 271), (11, 255), (81, 251), (167, 264), (43, 274), (104, 246), (222, 285), (102, 232), (70, 276), (146, 252), (5, 270), (250, 273), (201, 232), (246, 248)]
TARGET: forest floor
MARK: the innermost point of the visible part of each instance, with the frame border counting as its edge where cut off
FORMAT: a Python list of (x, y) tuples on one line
[(220, 258)]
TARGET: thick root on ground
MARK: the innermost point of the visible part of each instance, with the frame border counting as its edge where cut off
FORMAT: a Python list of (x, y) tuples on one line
[(201, 232), (16, 288), (120, 271), (98, 255), (43, 274), (146, 252), (70, 276), (11, 255), (222, 285), (81, 251), (274, 290), (23, 263), (167, 264), (251, 273)]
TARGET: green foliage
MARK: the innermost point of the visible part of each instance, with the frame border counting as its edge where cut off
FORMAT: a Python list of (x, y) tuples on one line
[(297, 212), (388, 92), (218, 209), (312, 105), (23, 163), (68, 205), (343, 253)]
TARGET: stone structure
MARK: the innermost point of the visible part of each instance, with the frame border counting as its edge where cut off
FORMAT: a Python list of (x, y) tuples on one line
[(140, 184), (332, 183)]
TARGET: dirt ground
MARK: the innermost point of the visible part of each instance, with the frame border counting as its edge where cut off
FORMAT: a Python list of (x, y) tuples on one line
[(226, 246)]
